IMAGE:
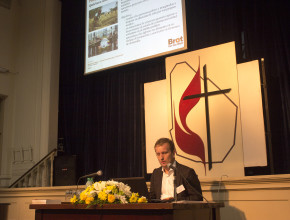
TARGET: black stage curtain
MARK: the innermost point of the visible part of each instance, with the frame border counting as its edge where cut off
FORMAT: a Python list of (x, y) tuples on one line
[(101, 116)]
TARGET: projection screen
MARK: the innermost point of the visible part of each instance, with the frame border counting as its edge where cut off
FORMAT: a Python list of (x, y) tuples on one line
[(120, 32)]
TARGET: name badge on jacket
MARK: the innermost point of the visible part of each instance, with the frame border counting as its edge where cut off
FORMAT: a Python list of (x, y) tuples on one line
[(180, 189)]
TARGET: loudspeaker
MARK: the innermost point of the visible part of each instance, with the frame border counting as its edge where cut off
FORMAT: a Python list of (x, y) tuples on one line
[(65, 172)]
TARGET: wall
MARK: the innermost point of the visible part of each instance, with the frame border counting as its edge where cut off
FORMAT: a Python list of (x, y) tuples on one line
[(8, 27), (247, 198), (251, 198), (30, 40)]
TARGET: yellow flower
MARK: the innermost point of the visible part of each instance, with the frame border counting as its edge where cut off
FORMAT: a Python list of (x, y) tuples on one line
[(111, 188), (107, 192), (102, 196), (111, 198), (90, 188), (89, 200), (142, 200), (134, 197), (87, 189), (83, 195), (73, 199)]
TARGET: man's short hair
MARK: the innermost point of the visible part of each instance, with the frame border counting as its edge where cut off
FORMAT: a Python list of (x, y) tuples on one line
[(162, 141)]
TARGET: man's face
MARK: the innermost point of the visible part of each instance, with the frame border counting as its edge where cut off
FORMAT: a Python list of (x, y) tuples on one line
[(164, 154)]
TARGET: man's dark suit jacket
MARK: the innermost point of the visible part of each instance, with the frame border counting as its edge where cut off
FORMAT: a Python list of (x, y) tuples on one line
[(182, 173)]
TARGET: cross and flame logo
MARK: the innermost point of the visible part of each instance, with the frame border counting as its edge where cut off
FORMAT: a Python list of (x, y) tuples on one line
[(188, 140)]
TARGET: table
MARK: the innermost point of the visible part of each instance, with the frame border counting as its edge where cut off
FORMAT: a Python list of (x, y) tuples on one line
[(152, 211)]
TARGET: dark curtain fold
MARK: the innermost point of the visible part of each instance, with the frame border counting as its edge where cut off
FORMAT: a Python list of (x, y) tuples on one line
[(101, 115)]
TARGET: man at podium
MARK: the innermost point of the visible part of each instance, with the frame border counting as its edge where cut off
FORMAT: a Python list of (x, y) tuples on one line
[(172, 181)]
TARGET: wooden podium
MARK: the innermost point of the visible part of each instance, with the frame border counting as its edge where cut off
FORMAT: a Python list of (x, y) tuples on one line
[(152, 211)]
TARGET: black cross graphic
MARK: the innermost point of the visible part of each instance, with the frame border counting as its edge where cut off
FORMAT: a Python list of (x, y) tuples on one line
[(206, 94)]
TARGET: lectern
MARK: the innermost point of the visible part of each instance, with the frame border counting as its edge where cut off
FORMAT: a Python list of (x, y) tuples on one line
[(151, 211)]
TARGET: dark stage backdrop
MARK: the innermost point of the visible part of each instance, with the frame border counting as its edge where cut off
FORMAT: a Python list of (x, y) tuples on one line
[(101, 116)]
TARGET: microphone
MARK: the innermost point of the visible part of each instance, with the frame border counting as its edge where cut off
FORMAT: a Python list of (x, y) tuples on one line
[(170, 166), (98, 173), (200, 194), (194, 189)]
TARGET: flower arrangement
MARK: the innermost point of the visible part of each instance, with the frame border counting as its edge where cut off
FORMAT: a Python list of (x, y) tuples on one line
[(107, 192)]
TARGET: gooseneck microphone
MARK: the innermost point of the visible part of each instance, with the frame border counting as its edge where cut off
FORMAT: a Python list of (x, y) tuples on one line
[(194, 189), (98, 173), (170, 166)]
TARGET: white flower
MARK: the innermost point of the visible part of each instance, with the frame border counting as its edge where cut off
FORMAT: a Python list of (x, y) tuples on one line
[(99, 186), (125, 188), (94, 193), (112, 183), (122, 199)]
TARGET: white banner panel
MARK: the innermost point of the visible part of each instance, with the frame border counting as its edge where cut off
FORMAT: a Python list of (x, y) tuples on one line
[(252, 117), (156, 119)]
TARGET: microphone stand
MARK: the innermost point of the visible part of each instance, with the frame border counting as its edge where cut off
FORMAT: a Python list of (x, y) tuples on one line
[(194, 189), (174, 182)]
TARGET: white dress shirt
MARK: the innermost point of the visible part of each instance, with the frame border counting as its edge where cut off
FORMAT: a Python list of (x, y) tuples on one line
[(167, 189)]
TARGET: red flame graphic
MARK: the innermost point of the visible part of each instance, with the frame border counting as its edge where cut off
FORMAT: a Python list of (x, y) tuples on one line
[(189, 142)]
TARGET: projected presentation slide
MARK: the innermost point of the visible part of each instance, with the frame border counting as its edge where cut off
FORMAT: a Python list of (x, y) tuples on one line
[(120, 32)]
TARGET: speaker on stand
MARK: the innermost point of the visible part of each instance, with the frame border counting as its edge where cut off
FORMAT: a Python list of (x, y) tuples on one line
[(65, 170)]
